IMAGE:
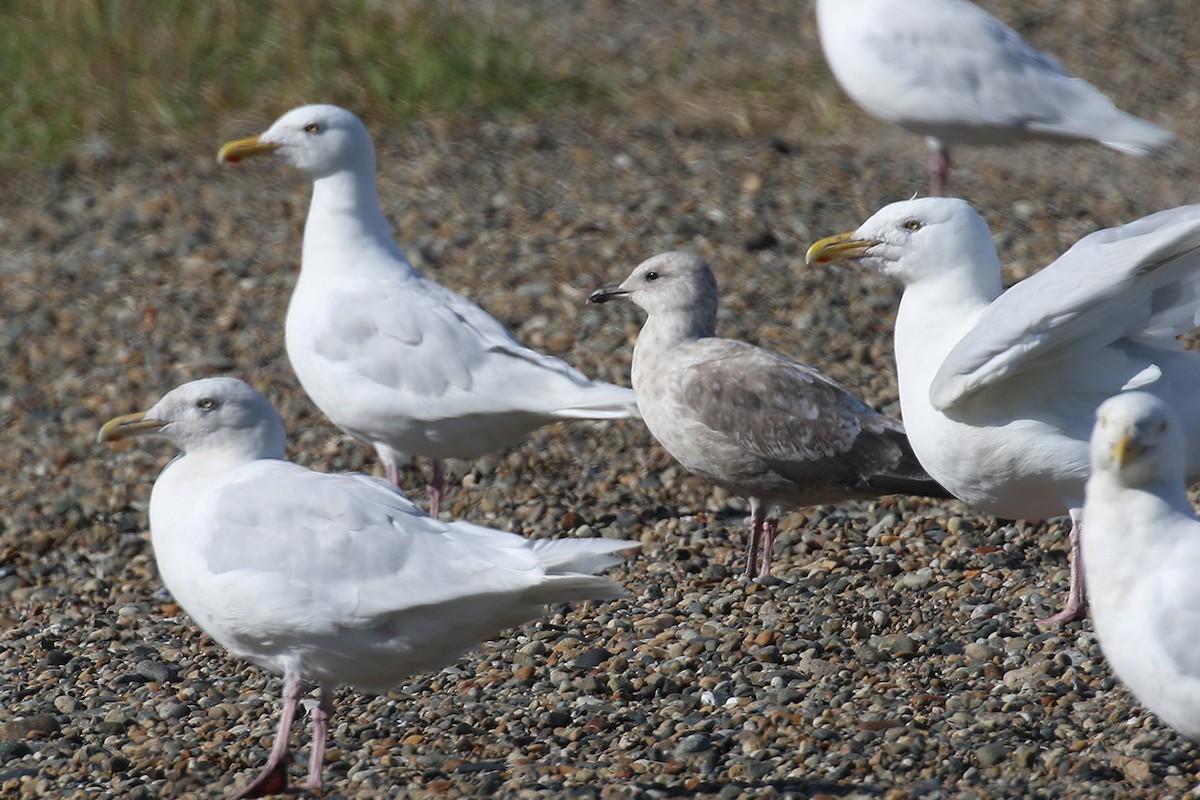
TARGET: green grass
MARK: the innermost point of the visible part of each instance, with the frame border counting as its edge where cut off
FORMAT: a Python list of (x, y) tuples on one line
[(127, 69)]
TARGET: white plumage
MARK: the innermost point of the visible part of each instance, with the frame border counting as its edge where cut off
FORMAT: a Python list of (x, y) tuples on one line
[(949, 71), (393, 358), (1142, 555), (998, 388), (331, 578)]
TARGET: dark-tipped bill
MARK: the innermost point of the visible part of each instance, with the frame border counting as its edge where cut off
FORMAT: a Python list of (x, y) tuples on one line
[(235, 151), (126, 426), (841, 247), (606, 293)]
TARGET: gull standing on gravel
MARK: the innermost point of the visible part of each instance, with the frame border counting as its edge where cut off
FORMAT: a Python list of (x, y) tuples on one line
[(392, 358), (998, 388), (1142, 556), (332, 578), (951, 72), (755, 422)]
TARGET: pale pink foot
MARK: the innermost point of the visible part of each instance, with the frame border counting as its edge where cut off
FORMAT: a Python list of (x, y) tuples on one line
[(436, 487), (939, 168), (756, 530), (273, 779), (1077, 603), (770, 528), (320, 731)]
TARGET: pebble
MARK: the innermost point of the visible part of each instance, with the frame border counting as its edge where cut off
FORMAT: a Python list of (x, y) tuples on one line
[(894, 653)]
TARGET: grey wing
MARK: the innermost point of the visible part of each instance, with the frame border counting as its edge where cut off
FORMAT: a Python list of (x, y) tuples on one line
[(1140, 280), (972, 68), (803, 425), (353, 547), (424, 337)]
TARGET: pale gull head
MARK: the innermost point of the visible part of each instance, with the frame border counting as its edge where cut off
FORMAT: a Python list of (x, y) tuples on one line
[(670, 283), (210, 416), (1138, 441), (319, 139), (915, 239)]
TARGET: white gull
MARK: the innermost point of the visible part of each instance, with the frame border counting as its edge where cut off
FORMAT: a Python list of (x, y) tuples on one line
[(998, 388), (951, 72), (1142, 554), (391, 357), (330, 578)]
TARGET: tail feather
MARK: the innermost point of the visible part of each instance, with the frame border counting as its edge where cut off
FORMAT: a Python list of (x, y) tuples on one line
[(580, 557), (572, 588), (602, 401)]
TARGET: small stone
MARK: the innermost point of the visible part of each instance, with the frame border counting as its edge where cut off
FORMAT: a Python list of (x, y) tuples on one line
[(156, 671), (35, 727), (985, 611), (693, 743), (169, 710), (11, 750), (1025, 756), (918, 579), (898, 644), (114, 721), (558, 719), (989, 755), (66, 704), (1135, 770), (592, 658), (978, 651)]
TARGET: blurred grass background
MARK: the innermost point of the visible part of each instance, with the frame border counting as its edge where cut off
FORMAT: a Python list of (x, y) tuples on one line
[(116, 73), (74, 69)]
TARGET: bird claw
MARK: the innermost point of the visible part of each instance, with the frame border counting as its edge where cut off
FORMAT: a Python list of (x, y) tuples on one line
[(1074, 611), (272, 780)]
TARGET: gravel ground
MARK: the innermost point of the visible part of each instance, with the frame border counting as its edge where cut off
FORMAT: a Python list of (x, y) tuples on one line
[(893, 656)]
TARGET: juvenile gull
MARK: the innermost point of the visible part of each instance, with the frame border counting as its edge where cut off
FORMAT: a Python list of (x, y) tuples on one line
[(949, 71), (998, 388), (1142, 555), (391, 357), (332, 578), (753, 421)]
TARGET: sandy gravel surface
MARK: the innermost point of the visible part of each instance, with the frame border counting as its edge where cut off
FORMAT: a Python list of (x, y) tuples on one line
[(893, 656)]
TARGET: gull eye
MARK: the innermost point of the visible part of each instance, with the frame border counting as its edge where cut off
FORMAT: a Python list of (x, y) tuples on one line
[(312, 127), (651, 276), (206, 404), (912, 225)]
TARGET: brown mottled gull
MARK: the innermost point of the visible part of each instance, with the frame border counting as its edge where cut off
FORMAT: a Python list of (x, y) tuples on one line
[(753, 421)]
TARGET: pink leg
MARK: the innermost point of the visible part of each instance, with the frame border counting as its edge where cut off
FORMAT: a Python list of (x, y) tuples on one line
[(756, 527), (273, 779), (320, 730), (436, 487), (939, 168), (1077, 604), (770, 528), (393, 472)]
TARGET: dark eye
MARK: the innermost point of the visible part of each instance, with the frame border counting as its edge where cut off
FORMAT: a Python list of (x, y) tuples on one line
[(912, 225), (206, 404), (651, 275), (312, 127)]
